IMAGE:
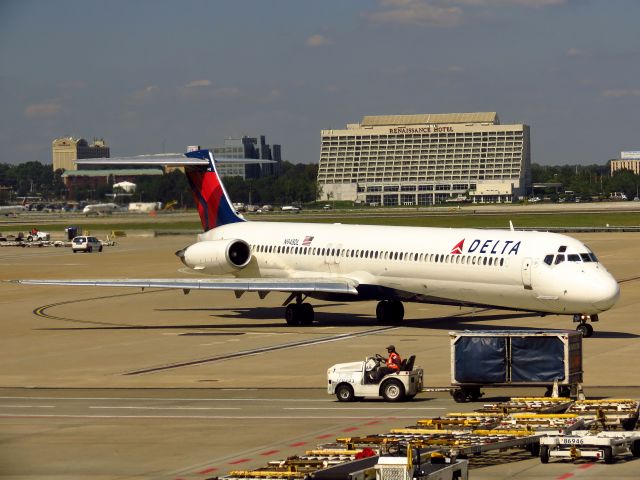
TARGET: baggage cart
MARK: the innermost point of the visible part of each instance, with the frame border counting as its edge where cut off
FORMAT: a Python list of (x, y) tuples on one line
[(584, 443), (500, 358), (609, 413)]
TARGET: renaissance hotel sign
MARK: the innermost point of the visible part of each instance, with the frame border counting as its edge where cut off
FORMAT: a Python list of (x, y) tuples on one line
[(427, 129)]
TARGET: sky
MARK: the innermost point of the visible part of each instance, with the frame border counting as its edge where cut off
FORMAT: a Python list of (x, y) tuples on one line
[(153, 76)]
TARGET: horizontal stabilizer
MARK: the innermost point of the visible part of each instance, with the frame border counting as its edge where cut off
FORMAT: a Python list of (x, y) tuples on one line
[(165, 159)]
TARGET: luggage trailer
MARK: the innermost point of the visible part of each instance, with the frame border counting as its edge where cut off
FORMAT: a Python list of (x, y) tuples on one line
[(515, 358), (608, 413), (528, 405), (335, 464), (584, 443), (450, 444)]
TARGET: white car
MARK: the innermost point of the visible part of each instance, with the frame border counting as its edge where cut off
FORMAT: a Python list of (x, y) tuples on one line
[(85, 243)]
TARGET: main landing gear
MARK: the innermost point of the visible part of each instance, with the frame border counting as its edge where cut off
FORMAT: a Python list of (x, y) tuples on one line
[(583, 327), (299, 313), (390, 311)]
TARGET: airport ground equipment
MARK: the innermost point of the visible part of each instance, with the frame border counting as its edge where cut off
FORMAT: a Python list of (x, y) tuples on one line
[(528, 404), (345, 465), (38, 236), (450, 443), (357, 380), (584, 443), (608, 413), (411, 468), (499, 358), (547, 423)]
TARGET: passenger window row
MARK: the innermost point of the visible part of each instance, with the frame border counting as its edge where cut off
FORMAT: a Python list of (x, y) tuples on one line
[(382, 255)]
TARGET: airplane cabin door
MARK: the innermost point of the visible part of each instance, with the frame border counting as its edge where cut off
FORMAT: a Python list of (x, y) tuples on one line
[(526, 273)]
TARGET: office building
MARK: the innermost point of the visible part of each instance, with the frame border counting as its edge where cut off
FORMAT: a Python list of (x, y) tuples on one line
[(629, 160), (65, 150), (425, 160), (248, 147)]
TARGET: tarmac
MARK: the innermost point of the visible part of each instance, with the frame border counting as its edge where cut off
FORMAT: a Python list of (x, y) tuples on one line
[(120, 383)]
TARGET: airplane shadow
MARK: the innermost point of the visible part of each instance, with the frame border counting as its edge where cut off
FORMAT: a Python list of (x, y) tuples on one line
[(253, 318)]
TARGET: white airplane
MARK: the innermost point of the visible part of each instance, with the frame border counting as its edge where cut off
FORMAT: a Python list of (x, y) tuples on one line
[(513, 270), (100, 209), (12, 209)]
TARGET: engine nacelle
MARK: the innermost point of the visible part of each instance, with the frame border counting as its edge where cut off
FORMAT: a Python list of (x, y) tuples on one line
[(216, 256)]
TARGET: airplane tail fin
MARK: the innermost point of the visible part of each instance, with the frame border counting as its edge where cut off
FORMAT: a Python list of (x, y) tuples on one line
[(213, 203), (212, 200)]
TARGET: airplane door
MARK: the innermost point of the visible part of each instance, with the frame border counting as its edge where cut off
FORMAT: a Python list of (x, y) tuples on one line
[(526, 273), (332, 257)]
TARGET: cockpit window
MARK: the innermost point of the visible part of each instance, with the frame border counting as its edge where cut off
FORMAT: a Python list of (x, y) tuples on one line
[(562, 249), (548, 259), (588, 257), (559, 259), (591, 255), (573, 257)]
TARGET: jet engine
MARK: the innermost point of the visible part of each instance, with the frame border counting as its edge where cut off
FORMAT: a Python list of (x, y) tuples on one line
[(216, 256)]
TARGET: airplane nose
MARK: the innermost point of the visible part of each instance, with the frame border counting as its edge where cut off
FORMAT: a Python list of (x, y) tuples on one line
[(606, 294)]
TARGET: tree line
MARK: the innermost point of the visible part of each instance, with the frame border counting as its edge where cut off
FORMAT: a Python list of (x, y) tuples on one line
[(586, 182), (295, 184)]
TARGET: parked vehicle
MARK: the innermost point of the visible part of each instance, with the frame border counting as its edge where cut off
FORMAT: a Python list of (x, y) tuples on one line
[(85, 243)]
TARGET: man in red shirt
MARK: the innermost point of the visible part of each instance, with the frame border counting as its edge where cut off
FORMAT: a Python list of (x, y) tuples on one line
[(394, 361), (392, 364)]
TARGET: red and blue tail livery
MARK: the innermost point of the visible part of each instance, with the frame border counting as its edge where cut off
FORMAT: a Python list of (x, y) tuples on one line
[(213, 203)]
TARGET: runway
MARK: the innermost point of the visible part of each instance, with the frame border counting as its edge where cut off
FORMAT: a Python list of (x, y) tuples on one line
[(117, 383)]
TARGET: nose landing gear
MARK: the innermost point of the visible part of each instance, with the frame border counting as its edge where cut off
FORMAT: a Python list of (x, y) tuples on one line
[(583, 327)]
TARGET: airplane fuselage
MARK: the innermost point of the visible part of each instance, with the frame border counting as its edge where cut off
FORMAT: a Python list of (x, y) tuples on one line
[(521, 270)]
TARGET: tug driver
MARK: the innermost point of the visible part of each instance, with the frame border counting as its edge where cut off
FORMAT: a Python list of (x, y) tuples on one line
[(392, 365)]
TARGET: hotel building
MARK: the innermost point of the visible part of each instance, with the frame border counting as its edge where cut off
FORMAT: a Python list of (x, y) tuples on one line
[(425, 160)]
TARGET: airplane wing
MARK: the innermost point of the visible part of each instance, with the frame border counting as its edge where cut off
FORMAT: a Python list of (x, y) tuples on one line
[(325, 285)]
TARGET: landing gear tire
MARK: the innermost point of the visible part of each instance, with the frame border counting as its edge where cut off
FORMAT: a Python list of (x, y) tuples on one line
[(299, 314), (392, 391), (585, 329), (292, 315), (344, 393), (390, 311), (306, 311)]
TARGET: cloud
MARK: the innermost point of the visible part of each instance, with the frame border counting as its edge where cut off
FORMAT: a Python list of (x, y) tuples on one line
[(619, 93), (145, 92), (46, 109), (510, 3), (227, 92), (198, 84), (575, 52), (73, 84), (455, 69), (442, 13), (318, 41), (416, 12)]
